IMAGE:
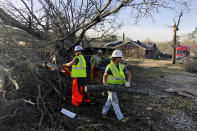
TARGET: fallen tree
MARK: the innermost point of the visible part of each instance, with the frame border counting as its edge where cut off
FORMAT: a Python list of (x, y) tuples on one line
[(118, 88), (52, 29), (101, 88)]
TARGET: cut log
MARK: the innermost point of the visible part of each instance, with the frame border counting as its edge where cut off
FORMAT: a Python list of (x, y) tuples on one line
[(52, 66), (118, 88), (101, 88)]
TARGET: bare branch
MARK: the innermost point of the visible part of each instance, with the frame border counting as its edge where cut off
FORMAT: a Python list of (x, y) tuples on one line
[(181, 14)]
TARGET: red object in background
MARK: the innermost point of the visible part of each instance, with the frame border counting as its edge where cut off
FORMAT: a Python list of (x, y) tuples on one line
[(183, 51), (182, 48), (64, 69)]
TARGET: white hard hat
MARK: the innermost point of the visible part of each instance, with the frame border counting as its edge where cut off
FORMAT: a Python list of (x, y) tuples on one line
[(78, 47), (100, 51), (116, 53)]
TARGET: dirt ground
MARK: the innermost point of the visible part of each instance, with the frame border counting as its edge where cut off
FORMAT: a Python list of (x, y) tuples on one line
[(160, 110), (164, 110)]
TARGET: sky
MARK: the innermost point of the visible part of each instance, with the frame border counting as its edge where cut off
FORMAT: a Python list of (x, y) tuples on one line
[(158, 30)]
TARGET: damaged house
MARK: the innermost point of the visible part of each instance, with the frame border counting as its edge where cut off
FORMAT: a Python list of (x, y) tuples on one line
[(136, 49), (106, 47)]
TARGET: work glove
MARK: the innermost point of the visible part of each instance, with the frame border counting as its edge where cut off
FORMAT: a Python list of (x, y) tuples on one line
[(61, 70), (127, 84)]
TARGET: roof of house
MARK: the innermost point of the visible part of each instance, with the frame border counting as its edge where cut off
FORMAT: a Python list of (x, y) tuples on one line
[(100, 44), (96, 44), (140, 44), (137, 43), (116, 44), (120, 45), (113, 44)]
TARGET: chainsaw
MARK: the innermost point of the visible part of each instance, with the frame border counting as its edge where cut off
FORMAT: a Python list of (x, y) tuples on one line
[(63, 69)]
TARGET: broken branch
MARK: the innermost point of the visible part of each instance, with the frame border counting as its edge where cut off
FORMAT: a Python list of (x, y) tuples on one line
[(118, 88)]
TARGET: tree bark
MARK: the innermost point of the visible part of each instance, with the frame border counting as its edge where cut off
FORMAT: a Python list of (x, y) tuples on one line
[(174, 45), (175, 29), (118, 88), (9, 20)]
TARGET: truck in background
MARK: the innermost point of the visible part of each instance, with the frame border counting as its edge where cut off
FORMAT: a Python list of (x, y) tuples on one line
[(182, 52)]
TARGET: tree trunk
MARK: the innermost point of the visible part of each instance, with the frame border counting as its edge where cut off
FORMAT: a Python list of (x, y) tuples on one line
[(174, 46), (175, 29), (118, 88)]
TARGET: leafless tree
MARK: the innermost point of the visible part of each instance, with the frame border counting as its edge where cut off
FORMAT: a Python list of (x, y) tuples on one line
[(56, 26), (59, 20), (56, 22), (181, 11), (175, 29)]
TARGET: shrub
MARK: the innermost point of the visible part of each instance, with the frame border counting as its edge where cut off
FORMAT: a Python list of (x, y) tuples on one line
[(190, 65)]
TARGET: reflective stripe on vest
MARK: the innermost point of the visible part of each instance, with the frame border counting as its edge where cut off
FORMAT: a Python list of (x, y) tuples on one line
[(79, 70), (94, 59), (118, 76)]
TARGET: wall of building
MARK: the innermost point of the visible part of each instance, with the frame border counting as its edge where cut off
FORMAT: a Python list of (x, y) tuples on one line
[(131, 50)]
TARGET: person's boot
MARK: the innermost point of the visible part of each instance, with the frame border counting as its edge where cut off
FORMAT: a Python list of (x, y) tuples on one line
[(104, 116), (125, 119)]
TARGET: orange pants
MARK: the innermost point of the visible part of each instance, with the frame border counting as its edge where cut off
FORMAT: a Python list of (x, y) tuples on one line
[(77, 94), (95, 74)]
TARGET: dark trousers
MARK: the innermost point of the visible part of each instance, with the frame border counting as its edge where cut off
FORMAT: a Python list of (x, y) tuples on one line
[(82, 82)]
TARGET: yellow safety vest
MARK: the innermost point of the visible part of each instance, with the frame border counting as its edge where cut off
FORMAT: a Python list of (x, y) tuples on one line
[(79, 70), (93, 59), (117, 76)]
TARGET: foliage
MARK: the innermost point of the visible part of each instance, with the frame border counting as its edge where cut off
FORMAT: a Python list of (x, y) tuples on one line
[(190, 38), (165, 47), (194, 50), (193, 36), (190, 65), (109, 38), (148, 40)]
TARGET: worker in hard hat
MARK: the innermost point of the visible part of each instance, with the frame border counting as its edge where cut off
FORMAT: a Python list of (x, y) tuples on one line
[(115, 74), (78, 73), (95, 67)]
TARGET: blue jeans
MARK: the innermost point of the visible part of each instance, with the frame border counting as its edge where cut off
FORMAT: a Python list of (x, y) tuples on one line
[(112, 100)]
